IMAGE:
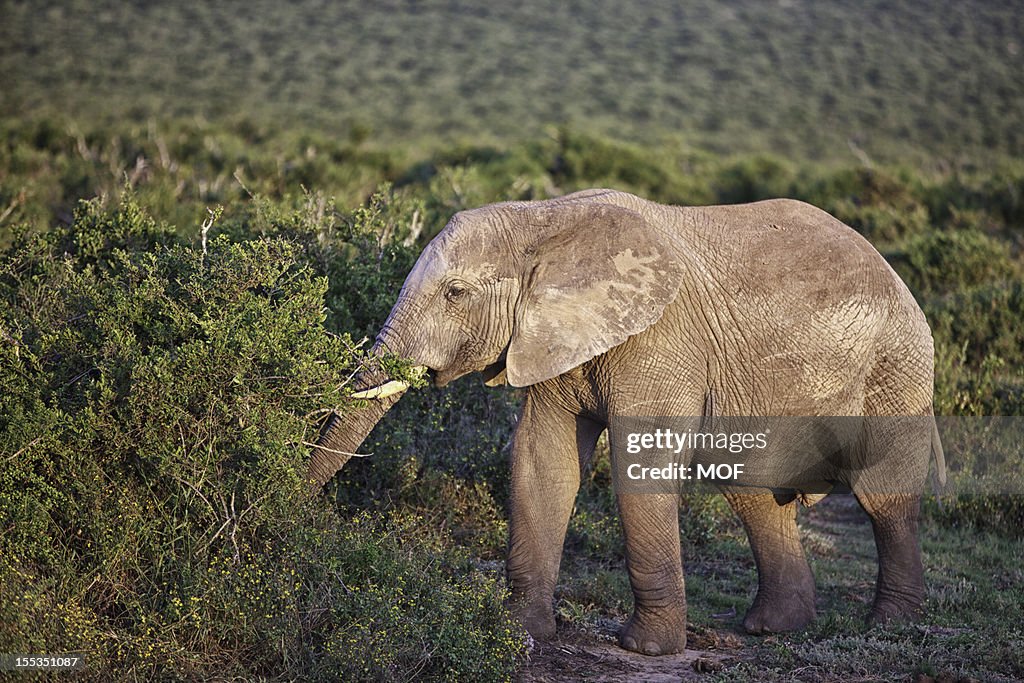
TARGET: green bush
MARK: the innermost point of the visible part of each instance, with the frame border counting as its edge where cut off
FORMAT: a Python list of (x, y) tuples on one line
[(998, 191), (883, 223), (155, 403), (984, 321), (578, 161), (751, 179), (362, 253), (939, 262)]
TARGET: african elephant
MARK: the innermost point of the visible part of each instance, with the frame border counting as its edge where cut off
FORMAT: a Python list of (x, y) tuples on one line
[(604, 304)]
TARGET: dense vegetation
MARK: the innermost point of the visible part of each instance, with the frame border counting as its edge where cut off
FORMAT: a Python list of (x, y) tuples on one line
[(205, 210), (798, 76)]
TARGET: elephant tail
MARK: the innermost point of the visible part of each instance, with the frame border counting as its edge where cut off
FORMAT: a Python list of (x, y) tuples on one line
[(940, 457)]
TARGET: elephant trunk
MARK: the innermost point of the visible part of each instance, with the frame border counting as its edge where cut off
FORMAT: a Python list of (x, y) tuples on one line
[(343, 434)]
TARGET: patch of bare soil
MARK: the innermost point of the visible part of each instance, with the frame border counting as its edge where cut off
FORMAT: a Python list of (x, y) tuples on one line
[(577, 656)]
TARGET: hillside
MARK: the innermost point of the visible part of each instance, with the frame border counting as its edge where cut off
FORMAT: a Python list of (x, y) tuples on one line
[(803, 78)]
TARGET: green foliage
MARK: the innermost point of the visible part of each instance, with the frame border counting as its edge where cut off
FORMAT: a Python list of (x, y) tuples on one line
[(594, 528), (362, 253), (155, 400), (985, 321), (752, 179), (442, 452), (936, 262), (417, 611), (177, 169)]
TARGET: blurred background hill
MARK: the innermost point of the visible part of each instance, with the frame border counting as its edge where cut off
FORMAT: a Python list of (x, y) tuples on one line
[(804, 78)]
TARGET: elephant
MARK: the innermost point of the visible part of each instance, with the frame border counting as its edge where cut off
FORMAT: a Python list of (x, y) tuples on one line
[(602, 304)]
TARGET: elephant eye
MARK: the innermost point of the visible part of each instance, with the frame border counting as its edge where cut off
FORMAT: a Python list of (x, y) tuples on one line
[(455, 291)]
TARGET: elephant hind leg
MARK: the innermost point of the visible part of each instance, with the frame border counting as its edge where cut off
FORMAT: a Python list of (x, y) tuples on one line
[(889, 489), (893, 468), (899, 591), (785, 585)]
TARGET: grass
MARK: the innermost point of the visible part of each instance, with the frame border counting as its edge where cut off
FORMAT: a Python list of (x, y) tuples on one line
[(810, 80), (973, 581)]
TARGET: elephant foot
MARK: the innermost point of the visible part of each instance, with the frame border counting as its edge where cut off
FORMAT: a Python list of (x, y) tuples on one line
[(893, 610), (779, 615), (666, 639), (538, 620)]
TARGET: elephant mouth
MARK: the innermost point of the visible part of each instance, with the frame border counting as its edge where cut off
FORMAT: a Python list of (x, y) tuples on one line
[(441, 378), (495, 374)]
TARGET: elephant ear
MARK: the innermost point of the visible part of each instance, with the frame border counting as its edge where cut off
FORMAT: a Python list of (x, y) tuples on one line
[(600, 275)]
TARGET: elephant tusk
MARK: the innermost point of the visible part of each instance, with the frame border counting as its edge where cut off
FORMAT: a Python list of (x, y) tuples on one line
[(383, 391), (388, 388)]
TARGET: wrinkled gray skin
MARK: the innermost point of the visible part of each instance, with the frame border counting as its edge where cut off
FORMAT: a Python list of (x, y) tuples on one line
[(604, 304)]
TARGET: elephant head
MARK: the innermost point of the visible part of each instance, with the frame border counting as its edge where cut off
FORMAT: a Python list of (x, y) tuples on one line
[(522, 292)]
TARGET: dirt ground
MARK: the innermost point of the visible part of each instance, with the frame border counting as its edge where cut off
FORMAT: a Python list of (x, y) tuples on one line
[(579, 657)]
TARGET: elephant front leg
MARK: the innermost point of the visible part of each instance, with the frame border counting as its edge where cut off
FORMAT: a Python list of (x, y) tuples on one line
[(650, 523), (548, 445)]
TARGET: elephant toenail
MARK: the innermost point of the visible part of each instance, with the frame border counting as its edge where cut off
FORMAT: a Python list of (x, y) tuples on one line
[(652, 649), (629, 643)]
